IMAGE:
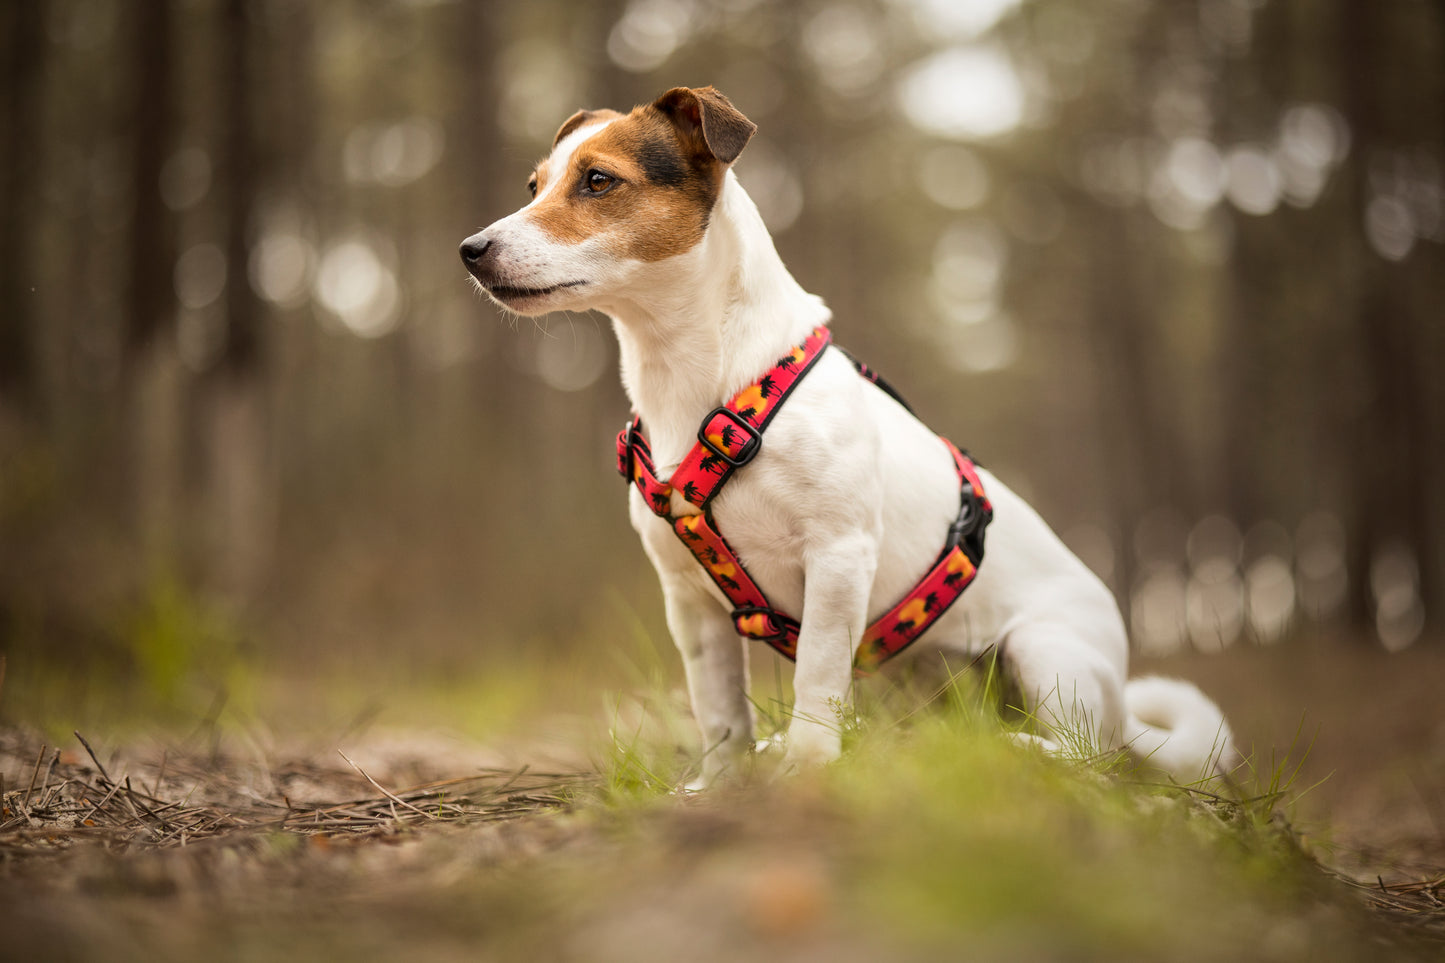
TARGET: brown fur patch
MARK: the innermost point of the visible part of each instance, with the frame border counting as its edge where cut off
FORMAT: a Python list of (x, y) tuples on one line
[(704, 112), (666, 182), (583, 117), (580, 118)]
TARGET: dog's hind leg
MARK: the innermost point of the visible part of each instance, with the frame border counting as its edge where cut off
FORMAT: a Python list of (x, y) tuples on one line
[(1072, 691), (715, 660)]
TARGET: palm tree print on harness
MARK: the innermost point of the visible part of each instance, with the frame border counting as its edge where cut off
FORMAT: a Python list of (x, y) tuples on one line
[(721, 441), (916, 613), (791, 360), (729, 433), (723, 574), (960, 569), (751, 402), (873, 651)]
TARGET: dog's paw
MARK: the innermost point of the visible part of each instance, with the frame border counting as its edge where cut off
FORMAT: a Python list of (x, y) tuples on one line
[(717, 771), (811, 748), (1031, 741), (770, 746)]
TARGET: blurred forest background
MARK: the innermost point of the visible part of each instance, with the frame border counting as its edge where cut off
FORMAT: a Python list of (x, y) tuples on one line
[(1173, 269)]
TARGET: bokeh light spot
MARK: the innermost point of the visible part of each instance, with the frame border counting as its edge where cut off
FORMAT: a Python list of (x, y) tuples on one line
[(358, 289), (1254, 183), (573, 359), (963, 93), (280, 268), (648, 33), (200, 275), (952, 176)]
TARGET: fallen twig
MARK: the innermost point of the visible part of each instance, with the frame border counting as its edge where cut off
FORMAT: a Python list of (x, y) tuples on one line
[(39, 757), (384, 791), (69, 803), (93, 758)]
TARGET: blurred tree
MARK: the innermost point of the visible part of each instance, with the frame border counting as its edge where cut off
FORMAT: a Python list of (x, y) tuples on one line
[(149, 368), (24, 68), (235, 429), (151, 246), (1135, 338), (1388, 434)]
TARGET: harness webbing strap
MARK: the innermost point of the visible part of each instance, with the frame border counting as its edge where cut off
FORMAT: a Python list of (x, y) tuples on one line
[(730, 437), (752, 615), (955, 569)]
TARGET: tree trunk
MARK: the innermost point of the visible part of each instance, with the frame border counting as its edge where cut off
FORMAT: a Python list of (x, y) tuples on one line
[(152, 241), (24, 26), (1388, 459), (1141, 444), (150, 377), (240, 490), (241, 358)]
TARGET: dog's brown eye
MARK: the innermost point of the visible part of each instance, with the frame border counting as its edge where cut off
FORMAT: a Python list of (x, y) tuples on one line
[(532, 185), (597, 182)]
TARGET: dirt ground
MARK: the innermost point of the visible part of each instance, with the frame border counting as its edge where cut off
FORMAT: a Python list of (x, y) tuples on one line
[(102, 844), (1374, 725)]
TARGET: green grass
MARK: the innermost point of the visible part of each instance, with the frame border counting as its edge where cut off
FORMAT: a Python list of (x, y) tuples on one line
[(937, 831), (935, 837)]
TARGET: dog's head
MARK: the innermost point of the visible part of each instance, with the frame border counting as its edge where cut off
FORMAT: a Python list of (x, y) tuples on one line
[(617, 192)]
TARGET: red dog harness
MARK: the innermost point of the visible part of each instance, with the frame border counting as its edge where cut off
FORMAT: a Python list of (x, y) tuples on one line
[(732, 436)]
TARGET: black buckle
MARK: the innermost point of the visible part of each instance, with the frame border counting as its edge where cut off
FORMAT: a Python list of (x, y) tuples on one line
[(971, 518), (628, 453), (747, 453)]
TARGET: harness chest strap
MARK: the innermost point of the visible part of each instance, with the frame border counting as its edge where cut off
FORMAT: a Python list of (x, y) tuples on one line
[(730, 437)]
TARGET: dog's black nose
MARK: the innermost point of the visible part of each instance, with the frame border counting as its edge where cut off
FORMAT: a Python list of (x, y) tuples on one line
[(473, 248)]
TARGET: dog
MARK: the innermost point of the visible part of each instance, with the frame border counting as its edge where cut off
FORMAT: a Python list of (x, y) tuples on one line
[(843, 508)]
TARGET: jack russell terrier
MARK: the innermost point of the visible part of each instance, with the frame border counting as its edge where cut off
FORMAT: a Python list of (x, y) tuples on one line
[(835, 514)]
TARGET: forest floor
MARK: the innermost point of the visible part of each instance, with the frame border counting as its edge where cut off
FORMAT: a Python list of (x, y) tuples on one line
[(932, 840)]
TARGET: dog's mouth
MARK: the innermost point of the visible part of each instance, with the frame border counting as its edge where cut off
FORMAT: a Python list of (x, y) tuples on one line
[(515, 295)]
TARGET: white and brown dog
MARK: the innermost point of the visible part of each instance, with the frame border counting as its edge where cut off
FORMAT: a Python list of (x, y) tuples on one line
[(639, 216)]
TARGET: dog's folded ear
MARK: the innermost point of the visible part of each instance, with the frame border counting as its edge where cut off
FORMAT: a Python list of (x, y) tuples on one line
[(704, 115)]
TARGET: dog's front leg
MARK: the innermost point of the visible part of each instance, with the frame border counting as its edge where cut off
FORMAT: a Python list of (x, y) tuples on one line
[(835, 610), (714, 657)]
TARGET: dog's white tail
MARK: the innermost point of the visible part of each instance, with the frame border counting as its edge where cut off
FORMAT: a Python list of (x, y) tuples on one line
[(1175, 727)]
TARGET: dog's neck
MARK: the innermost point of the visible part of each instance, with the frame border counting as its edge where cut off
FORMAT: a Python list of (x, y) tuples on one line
[(716, 319)]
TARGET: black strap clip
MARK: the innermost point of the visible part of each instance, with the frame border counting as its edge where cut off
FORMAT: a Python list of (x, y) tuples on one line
[(627, 440), (967, 529), (750, 448)]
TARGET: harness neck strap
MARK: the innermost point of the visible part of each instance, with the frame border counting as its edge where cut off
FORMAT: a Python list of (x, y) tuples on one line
[(729, 437)]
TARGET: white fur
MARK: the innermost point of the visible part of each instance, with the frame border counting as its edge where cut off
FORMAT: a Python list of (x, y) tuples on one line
[(1174, 727), (843, 510)]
